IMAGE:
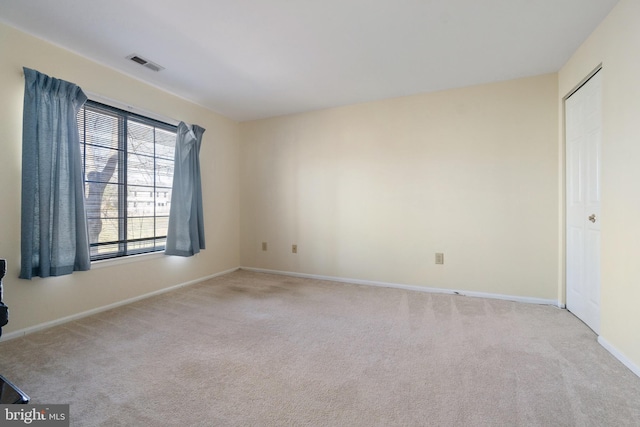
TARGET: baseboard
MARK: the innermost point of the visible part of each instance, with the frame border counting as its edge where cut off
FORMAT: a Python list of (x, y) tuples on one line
[(618, 355), (22, 332), (528, 300)]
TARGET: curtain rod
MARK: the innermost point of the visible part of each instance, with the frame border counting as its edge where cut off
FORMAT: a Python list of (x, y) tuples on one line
[(133, 109), (124, 106)]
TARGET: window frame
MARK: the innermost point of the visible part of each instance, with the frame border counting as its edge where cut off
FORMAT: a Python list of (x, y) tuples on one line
[(123, 183)]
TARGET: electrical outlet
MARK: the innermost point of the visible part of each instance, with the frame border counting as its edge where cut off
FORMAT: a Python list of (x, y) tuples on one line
[(294, 249), (439, 258), (264, 246)]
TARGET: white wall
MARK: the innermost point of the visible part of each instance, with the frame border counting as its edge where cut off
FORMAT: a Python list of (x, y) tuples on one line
[(43, 300), (372, 191), (616, 44)]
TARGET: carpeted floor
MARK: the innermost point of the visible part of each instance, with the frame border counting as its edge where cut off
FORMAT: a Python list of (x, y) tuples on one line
[(249, 349)]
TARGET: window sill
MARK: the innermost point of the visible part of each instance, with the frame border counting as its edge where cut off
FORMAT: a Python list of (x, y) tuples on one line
[(126, 259)]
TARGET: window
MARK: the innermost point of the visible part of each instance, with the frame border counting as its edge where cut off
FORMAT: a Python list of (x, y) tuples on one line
[(127, 159)]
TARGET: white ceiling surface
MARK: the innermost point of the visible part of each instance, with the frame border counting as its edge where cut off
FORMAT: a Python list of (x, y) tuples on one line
[(251, 59)]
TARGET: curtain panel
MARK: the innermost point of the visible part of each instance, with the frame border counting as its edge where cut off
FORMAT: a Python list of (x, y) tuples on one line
[(185, 236), (54, 237)]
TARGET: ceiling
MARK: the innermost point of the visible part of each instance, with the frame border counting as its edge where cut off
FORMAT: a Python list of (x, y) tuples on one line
[(251, 59)]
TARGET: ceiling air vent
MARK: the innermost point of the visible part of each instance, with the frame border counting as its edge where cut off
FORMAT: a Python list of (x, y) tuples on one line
[(145, 62)]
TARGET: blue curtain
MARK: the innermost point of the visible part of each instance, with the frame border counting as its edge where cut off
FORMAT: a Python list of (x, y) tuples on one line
[(185, 236), (54, 238)]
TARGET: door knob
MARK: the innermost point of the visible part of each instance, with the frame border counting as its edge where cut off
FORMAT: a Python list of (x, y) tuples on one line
[(592, 218)]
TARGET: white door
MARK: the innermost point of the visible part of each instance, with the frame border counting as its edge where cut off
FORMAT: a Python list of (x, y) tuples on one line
[(583, 118)]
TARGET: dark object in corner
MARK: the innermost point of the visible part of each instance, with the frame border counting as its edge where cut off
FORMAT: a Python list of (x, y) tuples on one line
[(4, 311), (10, 394)]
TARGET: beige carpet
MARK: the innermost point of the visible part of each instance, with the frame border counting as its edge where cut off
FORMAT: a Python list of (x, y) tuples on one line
[(250, 349)]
